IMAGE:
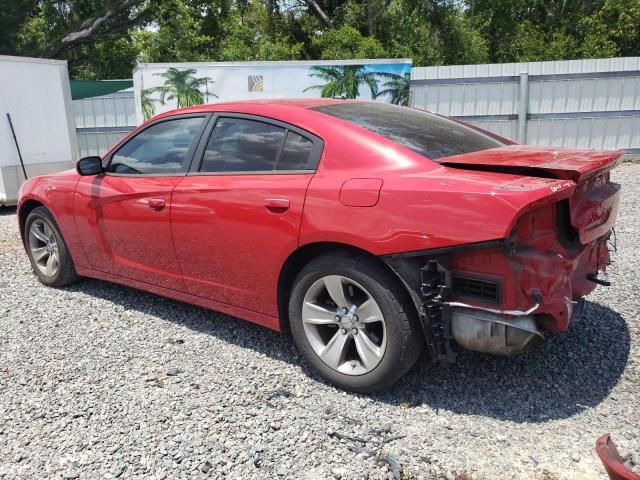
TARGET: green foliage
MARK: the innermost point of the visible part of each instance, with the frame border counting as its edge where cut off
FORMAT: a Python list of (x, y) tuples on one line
[(464, 43), (430, 32), (181, 86), (596, 42), (537, 30), (251, 34), (148, 102), (178, 34), (532, 44), (396, 87), (103, 60), (343, 81), (410, 35), (34, 27), (619, 22), (346, 42)]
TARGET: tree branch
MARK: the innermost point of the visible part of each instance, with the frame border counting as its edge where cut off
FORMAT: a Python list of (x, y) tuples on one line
[(317, 10), (89, 29), (111, 32)]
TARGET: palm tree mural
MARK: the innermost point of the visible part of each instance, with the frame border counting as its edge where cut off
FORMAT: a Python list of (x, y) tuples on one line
[(183, 87), (148, 103), (397, 88), (343, 80)]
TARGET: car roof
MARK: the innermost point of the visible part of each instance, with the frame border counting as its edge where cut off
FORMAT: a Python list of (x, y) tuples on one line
[(240, 105)]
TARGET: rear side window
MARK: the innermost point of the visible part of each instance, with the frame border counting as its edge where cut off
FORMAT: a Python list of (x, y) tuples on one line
[(429, 135), (239, 145), (160, 148), (296, 152)]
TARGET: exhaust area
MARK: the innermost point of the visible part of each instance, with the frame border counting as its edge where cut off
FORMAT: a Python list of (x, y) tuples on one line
[(488, 332)]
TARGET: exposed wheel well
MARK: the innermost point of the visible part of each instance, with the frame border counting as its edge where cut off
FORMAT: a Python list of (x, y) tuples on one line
[(25, 209), (296, 262)]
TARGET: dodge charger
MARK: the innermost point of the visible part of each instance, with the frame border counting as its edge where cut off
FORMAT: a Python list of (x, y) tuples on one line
[(371, 232)]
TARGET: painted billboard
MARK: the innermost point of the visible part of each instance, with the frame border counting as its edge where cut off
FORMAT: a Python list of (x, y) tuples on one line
[(164, 86)]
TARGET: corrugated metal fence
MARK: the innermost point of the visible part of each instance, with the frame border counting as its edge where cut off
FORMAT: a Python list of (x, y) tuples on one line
[(576, 103), (101, 121)]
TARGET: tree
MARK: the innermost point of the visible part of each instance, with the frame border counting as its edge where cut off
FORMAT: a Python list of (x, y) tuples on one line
[(614, 29), (115, 16), (347, 42), (148, 102), (343, 80), (93, 35), (397, 87), (103, 39), (182, 86), (319, 12)]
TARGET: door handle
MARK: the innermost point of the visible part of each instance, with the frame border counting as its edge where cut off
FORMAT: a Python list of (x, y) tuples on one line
[(277, 205), (156, 203)]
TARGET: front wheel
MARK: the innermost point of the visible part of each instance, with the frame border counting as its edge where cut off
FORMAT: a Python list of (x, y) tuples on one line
[(352, 320), (50, 258)]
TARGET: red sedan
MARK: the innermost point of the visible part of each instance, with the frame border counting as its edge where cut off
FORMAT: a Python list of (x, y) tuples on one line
[(370, 231)]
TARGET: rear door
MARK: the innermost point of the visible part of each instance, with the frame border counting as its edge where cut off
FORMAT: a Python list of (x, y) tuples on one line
[(236, 216), (123, 216)]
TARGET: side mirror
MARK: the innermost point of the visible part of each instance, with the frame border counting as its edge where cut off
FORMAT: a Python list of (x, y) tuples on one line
[(89, 166)]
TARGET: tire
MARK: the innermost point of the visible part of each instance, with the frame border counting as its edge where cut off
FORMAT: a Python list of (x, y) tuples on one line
[(398, 338), (43, 240)]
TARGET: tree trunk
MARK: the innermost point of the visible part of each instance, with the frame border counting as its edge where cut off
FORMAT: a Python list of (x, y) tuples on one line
[(371, 16)]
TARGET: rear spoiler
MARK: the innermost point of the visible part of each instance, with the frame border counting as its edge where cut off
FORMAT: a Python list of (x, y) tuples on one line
[(547, 162)]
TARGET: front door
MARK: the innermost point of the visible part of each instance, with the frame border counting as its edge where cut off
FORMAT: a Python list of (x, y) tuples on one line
[(123, 216), (236, 218)]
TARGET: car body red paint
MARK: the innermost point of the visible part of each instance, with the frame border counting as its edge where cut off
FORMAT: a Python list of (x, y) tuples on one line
[(220, 241), (612, 460)]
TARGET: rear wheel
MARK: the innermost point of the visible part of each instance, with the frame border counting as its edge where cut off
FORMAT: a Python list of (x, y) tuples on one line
[(353, 321), (50, 258)]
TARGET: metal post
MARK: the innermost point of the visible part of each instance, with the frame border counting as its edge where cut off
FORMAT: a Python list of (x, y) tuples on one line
[(13, 132), (523, 107)]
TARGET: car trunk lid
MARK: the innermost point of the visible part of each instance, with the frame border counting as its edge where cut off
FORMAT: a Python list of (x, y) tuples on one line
[(593, 206), (562, 163)]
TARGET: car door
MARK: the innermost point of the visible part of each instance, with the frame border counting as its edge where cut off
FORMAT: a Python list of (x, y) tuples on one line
[(236, 216), (123, 215)]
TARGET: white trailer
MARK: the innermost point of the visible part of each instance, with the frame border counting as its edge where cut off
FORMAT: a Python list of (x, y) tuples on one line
[(154, 85), (35, 93)]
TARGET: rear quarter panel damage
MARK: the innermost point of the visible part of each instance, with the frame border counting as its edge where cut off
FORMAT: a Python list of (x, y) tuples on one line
[(425, 210)]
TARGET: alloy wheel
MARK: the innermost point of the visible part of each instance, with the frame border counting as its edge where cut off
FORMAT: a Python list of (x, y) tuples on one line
[(344, 325), (44, 248)]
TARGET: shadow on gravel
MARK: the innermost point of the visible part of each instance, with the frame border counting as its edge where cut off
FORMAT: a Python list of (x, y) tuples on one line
[(569, 373)]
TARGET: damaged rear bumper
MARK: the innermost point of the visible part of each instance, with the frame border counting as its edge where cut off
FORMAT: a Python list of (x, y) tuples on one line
[(500, 297)]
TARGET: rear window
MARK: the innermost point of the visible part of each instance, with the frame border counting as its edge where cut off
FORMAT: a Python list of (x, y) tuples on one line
[(425, 133)]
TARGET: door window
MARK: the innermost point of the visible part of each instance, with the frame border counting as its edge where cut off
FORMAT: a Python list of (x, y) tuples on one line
[(240, 145), (162, 148)]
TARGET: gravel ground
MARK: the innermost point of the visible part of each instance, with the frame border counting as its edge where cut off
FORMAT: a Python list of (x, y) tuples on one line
[(102, 381)]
